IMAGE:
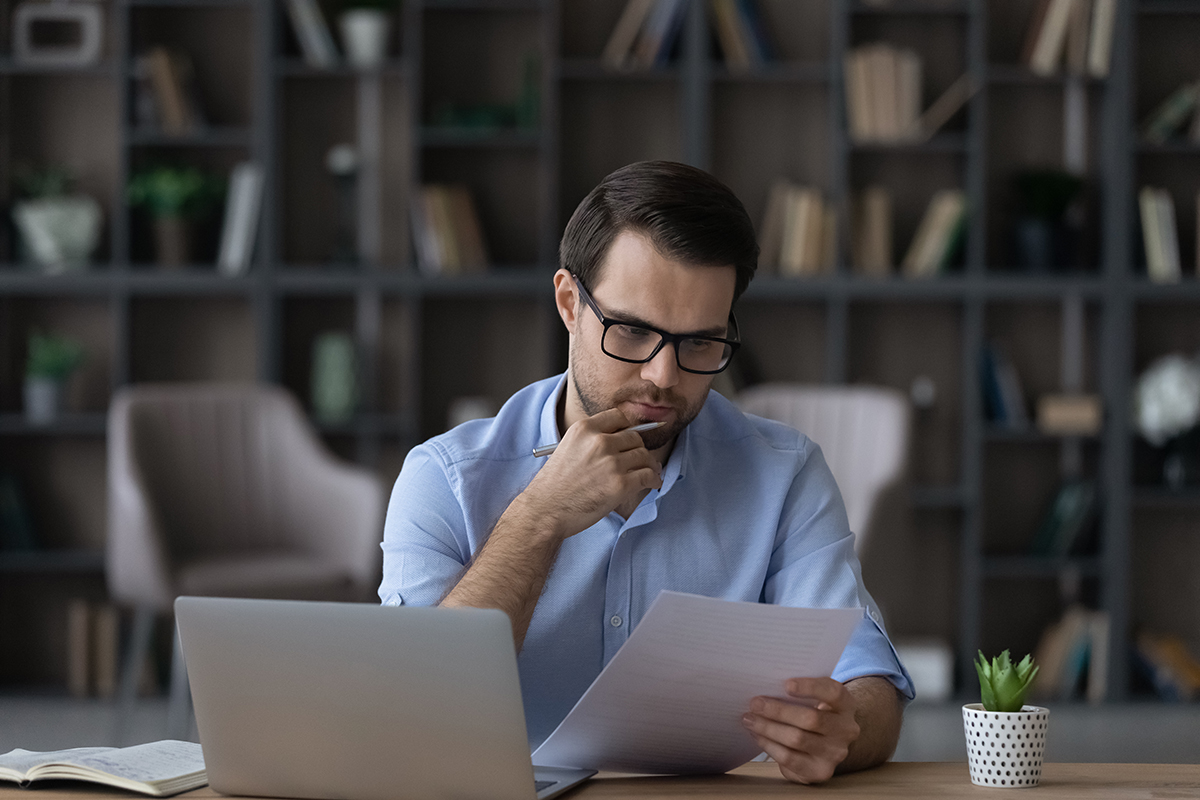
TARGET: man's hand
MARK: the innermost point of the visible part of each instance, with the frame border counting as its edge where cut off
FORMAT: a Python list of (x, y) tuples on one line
[(807, 741), (598, 466)]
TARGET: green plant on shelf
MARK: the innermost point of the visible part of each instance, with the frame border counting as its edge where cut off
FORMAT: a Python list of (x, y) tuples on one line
[(175, 192), (52, 357), (1003, 685)]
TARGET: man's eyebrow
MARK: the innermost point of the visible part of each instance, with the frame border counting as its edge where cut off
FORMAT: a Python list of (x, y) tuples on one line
[(632, 319)]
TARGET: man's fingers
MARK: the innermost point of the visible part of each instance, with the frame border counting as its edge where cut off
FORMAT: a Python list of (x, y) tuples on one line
[(789, 736), (796, 767), (823, 690), (609, 421)]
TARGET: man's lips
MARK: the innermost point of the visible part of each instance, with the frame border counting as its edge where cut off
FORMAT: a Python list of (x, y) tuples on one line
[(651, 412)]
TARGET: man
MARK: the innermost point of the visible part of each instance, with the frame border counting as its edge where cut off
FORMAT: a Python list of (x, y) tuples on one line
[(575, 547)]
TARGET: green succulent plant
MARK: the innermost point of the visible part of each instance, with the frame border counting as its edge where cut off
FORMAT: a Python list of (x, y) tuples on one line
[(1002, 685), (53, 357)]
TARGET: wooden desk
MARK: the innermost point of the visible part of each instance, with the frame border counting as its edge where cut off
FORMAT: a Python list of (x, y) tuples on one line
[(900, 780)]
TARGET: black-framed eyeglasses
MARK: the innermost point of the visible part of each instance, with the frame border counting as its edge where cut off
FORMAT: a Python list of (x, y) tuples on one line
[(637, 344)]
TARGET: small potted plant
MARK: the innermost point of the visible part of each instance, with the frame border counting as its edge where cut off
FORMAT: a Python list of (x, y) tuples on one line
[(366, 28), (59, 228), (50, 362), (1006, 739), (175, 198)]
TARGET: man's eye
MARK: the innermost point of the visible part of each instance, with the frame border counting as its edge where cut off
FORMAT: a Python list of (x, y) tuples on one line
[(699, 345), (630, 332)]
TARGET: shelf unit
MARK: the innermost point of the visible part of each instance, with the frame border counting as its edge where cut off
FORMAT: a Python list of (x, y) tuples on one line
[(978, 490)]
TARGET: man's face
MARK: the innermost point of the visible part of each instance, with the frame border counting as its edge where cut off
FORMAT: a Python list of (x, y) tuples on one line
[(640, 286)]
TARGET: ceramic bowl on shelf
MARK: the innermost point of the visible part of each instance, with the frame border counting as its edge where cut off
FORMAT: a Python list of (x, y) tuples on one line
[(1005, 748)]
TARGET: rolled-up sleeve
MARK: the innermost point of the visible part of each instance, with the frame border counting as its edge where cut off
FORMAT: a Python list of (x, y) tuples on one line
[(424, 539), (813, 565)]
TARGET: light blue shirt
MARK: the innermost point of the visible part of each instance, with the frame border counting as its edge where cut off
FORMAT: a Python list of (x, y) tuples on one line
[(748, 511)]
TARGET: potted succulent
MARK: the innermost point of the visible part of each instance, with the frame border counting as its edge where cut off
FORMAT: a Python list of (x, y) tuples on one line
[(366, 28), (50, 362), (59, 228), (175, 198), (1006, 739)]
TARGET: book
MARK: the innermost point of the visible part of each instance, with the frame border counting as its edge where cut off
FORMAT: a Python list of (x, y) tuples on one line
[(800, 251), (1078, 29), (1070, 513), (1172, 669), (1148, 211), (617, 50), (240, 226), (447, 232), (762, 49), (1070, 414), (468, 231), (658, 33), (1061, 655), (1033, 30), (168, 72), (1104, 17), (158, 769), (939, 230), (770, 235), (1052, 38), (79, 644), (1003, 395), (871, 232), (731, 35), (858, 103), (1168, 234), (16, 524), (943, 109), (312, 32), (1100, 630), (1171, 114)]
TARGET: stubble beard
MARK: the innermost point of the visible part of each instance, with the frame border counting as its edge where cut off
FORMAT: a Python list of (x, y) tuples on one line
[(593, 401)]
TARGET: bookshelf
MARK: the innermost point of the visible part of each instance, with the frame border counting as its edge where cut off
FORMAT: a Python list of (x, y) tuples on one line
[(978, 489)]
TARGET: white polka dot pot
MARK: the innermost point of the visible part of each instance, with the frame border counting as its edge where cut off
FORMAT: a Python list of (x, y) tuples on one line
[(1005, 747)]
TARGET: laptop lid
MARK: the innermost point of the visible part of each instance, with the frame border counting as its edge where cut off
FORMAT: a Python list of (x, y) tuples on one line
[(340, 700)]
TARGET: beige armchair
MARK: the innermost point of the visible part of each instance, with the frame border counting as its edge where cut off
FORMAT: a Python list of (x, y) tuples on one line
[(225, 489), (863, 432)]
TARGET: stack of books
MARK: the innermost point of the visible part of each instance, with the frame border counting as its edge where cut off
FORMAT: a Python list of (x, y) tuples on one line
[(448, 234), (871, 232), (644, 34), (884, 96), (741, 34), (1073, 652), (798, 237), (1079, 32)]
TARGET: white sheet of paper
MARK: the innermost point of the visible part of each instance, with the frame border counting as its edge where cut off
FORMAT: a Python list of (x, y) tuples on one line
[(672, 698)]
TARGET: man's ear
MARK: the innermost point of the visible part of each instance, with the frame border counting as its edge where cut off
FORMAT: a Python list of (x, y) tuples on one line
[(566, 299)]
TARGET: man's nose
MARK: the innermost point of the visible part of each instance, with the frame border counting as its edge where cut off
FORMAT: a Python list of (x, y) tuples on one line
[(662, 370)]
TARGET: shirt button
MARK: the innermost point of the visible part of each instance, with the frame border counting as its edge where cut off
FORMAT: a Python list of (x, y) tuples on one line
[(615, 621)]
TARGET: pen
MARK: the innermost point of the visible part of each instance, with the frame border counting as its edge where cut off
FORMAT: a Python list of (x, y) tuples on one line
[(547, 449)]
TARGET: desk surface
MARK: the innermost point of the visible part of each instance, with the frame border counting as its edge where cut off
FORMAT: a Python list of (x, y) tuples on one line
[(900, 780)]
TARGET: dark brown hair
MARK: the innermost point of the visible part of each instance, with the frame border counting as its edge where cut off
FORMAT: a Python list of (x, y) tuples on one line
[(686, 213)]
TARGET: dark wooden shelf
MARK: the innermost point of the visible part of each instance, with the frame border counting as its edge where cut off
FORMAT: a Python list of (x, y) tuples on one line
[(1048, 567), (47, 562)]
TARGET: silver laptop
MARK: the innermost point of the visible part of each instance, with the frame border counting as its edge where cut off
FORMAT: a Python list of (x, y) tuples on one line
[(345, 701)]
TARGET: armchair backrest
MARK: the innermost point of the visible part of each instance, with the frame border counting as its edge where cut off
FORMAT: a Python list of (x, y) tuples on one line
[(198, 470), (863, 432)]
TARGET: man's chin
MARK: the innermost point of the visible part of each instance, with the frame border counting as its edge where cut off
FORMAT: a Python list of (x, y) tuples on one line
[(660, 437)]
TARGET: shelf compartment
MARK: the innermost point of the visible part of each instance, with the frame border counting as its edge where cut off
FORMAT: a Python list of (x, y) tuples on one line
[(219, 136), (68, 424), (489, 138), (57, 561), (298, 68), (1018, 567), (907, 7), (1154, 498), (590, 69)]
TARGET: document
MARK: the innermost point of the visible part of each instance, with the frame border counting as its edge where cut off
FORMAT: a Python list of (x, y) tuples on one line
[(672, 698)]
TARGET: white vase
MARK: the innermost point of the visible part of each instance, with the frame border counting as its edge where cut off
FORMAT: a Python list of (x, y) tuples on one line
[(43, 400), (365, 33), (1005, 748), (59, 233)]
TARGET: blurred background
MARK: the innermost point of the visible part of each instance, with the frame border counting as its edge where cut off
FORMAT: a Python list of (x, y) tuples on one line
[(987, 208)]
